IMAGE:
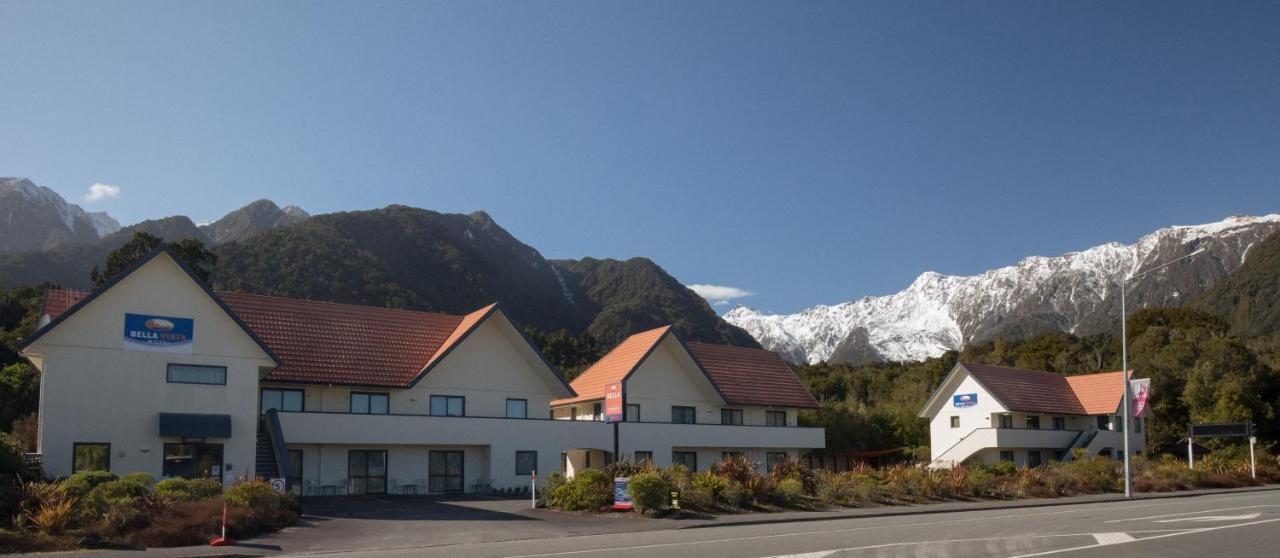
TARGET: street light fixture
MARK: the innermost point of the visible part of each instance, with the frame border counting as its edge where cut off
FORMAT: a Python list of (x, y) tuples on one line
[(1124, 364)]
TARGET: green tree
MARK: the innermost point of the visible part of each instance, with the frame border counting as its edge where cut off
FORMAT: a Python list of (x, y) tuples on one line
[(190, 251)]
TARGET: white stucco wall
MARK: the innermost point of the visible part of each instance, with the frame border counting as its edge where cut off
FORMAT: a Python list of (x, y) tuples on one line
[(941, 435), (93, 390)]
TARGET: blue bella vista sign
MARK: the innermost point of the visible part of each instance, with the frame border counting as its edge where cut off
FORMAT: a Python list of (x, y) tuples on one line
[(158, 333), (964, 400)]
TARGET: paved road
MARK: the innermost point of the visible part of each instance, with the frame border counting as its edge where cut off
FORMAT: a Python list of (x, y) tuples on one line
[(1237, 525)]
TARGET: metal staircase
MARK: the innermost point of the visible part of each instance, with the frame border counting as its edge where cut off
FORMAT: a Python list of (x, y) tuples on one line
[(272, 458)]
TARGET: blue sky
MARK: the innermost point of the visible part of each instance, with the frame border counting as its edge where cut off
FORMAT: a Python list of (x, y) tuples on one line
[(807, 152)]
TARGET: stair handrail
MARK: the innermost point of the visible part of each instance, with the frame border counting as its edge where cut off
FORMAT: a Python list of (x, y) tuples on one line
[(276, 435), (960, 441)]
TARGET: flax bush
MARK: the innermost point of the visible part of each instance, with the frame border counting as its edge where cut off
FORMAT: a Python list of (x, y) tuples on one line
[(649, 492)]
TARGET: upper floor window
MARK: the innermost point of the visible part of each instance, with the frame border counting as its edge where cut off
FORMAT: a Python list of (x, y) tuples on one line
[(1033, 422), (683, 415), (517, 408), (370, 403), (1006, 421), (1059, 423), (597, 411), (196, 374), (955, 422), (448, 406), (731, 417), (1104, 422), (633, 413), (282, 399), (775, 418), (1137, 425)]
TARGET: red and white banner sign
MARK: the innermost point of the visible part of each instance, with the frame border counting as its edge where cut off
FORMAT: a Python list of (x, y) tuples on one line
[(1139, 393), (613, 409)]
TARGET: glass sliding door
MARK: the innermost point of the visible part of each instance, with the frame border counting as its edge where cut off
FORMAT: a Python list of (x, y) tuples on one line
[(444, 471), (367, 471), (190, 461)]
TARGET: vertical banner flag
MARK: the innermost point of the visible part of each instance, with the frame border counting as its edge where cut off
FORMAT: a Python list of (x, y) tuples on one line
[(613, 409), (1139, 392), (158, 333)]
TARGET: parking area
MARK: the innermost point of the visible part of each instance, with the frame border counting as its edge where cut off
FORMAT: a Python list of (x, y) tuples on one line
[(335, 523)]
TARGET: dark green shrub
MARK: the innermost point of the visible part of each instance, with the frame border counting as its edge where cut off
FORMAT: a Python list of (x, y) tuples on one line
[(788, 492), (713, 484), (13, 460), (122, 492), (145, 479), (549, 486), (587, 490), (78, 485), (649, 492), (190, 490)]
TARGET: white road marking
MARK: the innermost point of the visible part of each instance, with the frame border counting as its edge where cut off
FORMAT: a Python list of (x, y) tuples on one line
[(1112, 538), (1209, 518), (1191, 513), (1175, 534)]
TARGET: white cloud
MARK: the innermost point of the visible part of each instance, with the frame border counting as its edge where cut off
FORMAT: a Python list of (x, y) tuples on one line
[(101, 192), (719, 295)]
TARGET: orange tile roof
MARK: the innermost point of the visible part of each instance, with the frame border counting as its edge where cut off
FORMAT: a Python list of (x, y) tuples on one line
[(1049, 392), (1099, 393), (752, 376), (614, 366), (742, 376), (331, 343)]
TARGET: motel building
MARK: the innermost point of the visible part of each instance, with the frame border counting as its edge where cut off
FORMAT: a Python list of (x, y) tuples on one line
[(154, 372), (993, 413)]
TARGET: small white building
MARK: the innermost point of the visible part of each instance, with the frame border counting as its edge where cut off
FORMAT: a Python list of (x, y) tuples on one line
[(156, 373), (994, 413)]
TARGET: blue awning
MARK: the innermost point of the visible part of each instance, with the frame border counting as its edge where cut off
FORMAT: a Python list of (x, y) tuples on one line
[(190, 425)]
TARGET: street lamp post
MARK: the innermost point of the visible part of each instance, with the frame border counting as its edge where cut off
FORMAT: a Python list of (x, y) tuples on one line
[(1124, 365)]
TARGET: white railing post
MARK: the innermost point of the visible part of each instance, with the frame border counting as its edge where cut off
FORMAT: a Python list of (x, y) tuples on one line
[(1253, 465), (533, 489), (1191, 454)]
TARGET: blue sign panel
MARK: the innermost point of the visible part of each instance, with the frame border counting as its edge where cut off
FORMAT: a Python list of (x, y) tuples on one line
[(964, 400), (158, 333), (621, 496)]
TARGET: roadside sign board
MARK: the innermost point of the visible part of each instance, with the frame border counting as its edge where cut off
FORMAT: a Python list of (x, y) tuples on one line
[(621, 498), (675, 499), (964, 399), (1221, 429), (277, 486), (614, 411)]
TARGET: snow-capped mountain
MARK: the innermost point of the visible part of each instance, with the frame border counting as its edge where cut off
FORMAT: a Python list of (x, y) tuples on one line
[(1075, 292), (36, 218)]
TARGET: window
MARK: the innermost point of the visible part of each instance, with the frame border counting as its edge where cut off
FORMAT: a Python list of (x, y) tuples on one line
[(644, 457), (573, 413), (1006, 421), (775, 418), (1104, 422), (191, 461), (282, 400), (445, 471), (633, 413), (294, 474), (1006, 456), (1119, 424), (1059, 423), (731, 416), (773, 458), (1137, 425), (369, 403), (597, 411), (526, 462), (955, 422), (90, 457), (448, 406), (517, 408), (1033, 422), (687, 458), (367, 471), (683, 415), (1033, 459), (193, 374)]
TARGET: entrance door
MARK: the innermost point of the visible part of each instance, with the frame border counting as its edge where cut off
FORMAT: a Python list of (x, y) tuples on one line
[(444, 471), (367, 471)]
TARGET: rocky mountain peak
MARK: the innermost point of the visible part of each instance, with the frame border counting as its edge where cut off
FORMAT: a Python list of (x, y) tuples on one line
[(34, 217)]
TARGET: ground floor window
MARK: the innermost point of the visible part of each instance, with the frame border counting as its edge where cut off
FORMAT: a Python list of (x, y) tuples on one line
[(444, 471), (644, 457), (727, 455), (1006, 456), (90, 457), (367, 471), (687, 458), (773, 458), (1033, 459), (193, 460), (526, 462)]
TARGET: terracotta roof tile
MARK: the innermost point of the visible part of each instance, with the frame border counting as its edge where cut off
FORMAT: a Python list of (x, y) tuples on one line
[(752, 376), (57, 301), (614, 366), (1048, 392)]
